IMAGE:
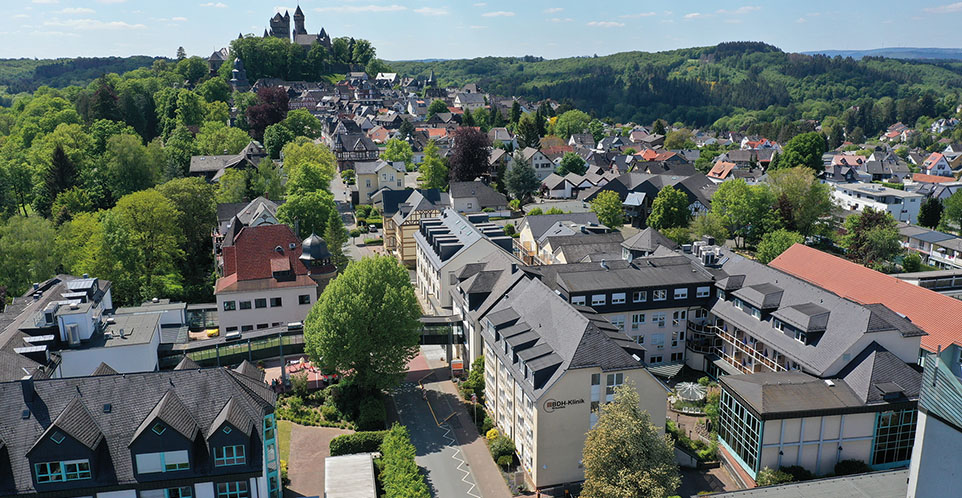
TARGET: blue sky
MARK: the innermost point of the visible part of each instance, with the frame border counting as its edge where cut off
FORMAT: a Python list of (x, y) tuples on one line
[(418, 29)]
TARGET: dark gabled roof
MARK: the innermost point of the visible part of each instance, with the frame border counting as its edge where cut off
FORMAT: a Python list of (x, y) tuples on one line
[(75, 421), (103, 369), (235, 415), (171, 411), (539, 224), (186, 363), (876, 371), (486, 196), (248, 369), (648, 240)]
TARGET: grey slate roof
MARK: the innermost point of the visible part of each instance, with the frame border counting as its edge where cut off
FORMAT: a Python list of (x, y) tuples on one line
[(172, 412), (186, 363), (874, 369), (202, 393), (75, 421), (539, 224), (232, 413), (653, 271), (648, 240), (248, 369), (776, 395), (103, 369), (886, 484), (486, 196)]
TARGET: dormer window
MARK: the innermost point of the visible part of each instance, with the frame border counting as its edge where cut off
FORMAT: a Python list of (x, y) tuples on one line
[(71, 470), (229, 455)]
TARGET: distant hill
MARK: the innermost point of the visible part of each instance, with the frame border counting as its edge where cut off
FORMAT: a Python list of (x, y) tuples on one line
[(700, 85), (897, 53), (26, 75)]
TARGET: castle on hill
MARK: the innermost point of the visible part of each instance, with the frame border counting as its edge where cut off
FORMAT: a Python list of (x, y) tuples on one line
[(280, 27)]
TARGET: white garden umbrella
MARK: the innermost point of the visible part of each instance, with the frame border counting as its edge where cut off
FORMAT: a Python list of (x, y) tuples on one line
[(690, 391)]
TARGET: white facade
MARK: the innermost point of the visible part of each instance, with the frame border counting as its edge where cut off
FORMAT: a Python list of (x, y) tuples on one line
[(661, 331), (935, 469), (435, 281), (244, 311), (904, 206), (138, 357)]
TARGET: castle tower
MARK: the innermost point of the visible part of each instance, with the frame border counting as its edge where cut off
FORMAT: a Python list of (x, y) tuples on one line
[(281, 26), (299, 28), (238, 80)]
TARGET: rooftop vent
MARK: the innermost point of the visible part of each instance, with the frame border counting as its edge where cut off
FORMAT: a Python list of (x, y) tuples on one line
[(25, 414), (107, 407)]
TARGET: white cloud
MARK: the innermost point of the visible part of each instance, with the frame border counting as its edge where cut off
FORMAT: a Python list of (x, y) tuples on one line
[(219, 5), (498, 13), (636, 16), (281, 10), (693, 15), (45, 1), (178, 19), (21, 16), (741, 10), (553, 10), (481, 4), (353, 9), (944, 9), (560, 19), (75, 10), (801, 20), (432, 11), (477, 27), (606, 24), (94, 25)]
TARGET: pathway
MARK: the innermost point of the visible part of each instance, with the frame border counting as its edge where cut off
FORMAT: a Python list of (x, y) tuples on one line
[(309, 447)]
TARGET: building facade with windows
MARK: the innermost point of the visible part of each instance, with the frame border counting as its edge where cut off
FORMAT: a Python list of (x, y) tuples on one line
[(186, 434), (266, 282), (549, 366), (650, 299), (904, 206)]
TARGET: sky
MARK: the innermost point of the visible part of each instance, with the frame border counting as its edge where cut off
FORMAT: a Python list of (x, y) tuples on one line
[(449, 29)]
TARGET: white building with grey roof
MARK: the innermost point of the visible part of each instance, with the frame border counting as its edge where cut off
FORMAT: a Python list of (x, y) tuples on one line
[(549, 366)]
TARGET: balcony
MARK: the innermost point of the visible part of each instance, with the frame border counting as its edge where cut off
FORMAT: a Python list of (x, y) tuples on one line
[(741, 345), (701, 338)]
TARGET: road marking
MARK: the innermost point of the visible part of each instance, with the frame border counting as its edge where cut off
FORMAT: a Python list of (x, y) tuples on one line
[(456, 456)]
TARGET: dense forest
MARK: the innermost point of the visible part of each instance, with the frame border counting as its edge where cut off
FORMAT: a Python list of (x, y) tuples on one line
[(730, 85), (26, 75)]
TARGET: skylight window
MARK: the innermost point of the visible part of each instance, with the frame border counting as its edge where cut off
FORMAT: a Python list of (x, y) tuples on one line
[(158, 428), (57, 437)]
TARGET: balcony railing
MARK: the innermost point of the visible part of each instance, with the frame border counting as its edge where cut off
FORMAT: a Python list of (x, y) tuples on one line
[(750, 351)]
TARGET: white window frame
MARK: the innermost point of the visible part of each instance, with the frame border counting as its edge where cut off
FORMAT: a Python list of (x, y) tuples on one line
[(599, 299), (703, 291), (681, 293), (578, 300), (636, 320), (618, 298)]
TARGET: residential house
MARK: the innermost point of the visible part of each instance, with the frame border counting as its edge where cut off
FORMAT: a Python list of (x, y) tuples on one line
[(555, 186), (936, 248), (532, 230), (402, 211), (182, 433), (582, 140), (469, 101), (638, 190), (353, 147), (214, 167), (645, 243), (543, 166), (504, 136), (374, 176), (549, 366), (936, 165), (231, 217), (445, 244), (475, 197), (265, 281), (904, 206)]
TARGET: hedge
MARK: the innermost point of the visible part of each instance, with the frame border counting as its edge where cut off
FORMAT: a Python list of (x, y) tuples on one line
[(400, 475), (359, 442)]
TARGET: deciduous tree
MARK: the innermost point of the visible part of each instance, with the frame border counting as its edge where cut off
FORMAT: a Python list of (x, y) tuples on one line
[(216, 138), (26, 248), (669, 209), (930, 212), (571, 163), (746, 211), (469, 156), (775, 243), (366, 323), (801, 199), (310, 210), (433, 171), (271, 108), (625, 456), (871, 237), (607, 205), (398, 150), (521, 180), (571, 122), (194, 199), (436, 107), (805, 149), (952, 214)]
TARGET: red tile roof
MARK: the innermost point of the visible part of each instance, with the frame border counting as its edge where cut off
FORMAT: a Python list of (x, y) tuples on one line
[(721, 170), (923, 178), (254, 252), (934, 313)]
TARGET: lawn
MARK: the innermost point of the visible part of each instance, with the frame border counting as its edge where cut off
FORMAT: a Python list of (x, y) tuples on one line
[(284, 438)]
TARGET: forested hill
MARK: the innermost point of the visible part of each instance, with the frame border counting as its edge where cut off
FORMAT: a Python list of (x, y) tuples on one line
[(26, 75), (699, 85)]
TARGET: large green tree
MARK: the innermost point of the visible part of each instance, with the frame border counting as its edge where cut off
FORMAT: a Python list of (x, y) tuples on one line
[(194, 199), (607, 205), (398, 150), (952, 212), (571, 122), (571, 163), (775, 243), (930, 212), (310, 210), (216, 138), (709, 224), (802, 202), (27, 252), (436, 107), (871, 237), (366, 323), (745, 210), (669, 209), (129, 166), (521, 180), (433, 170), (625, 456), (805, 149), (336, 236)]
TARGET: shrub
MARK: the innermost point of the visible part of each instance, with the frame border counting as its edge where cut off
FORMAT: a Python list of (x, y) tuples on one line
[(847, 467), (502, 446), (509, 229), (359, 442), (346, 396), (399, 474), (505, 461), (316, 398), (798, 473), (769, 477), (299, 384), (704, 381), (372, 241), (487, 210), (535, 212), (515, 205), (372, 415), (330, 413), (491, 435), (284, 479), (554, 210)]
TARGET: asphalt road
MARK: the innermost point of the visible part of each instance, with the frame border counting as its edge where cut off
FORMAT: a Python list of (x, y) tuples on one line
[(437, 450)]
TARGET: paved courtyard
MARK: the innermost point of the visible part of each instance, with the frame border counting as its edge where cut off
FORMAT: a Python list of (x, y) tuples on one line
[(309, 447)]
